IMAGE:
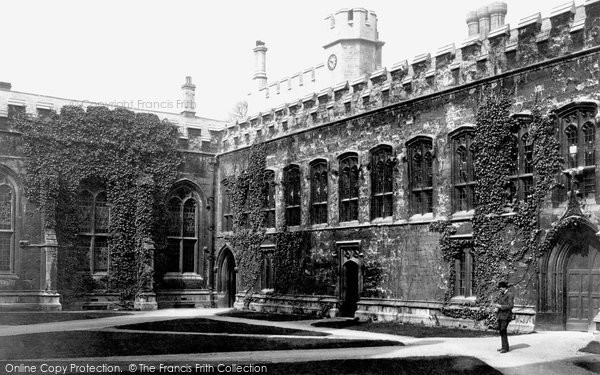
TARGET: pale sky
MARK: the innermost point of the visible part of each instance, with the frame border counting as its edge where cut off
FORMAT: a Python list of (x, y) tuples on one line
[(140, 51)]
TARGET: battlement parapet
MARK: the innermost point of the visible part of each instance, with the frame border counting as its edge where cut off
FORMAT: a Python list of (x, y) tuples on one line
[(566, 30)]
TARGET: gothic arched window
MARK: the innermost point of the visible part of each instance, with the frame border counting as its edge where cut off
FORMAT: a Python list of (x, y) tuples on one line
[(348, 187), (420, 171), (182, 234), (269, 195), (589, 138), (463, 169), (318, 192), (227, 223), (577, 135), (382, 182), (93, 234), (292, 195), (521, 173), (7, 225)]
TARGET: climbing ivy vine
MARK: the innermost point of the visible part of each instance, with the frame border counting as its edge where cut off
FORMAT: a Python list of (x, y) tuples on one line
[(247, 192), (133, 156), (506, 243)]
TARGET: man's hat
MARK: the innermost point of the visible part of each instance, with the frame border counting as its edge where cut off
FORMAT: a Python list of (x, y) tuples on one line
[(502, 284)]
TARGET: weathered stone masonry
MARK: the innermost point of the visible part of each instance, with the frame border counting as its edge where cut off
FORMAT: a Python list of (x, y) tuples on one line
[(431, 100)]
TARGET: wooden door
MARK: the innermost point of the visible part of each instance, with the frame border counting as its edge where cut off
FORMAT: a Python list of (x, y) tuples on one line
[(583, 289)]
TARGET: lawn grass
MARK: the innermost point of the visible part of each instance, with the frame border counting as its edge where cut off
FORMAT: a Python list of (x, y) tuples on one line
[(400, 329), (35, 317), (272, 317), (217, 326), (74, 344), (398, 366), (591, 347)]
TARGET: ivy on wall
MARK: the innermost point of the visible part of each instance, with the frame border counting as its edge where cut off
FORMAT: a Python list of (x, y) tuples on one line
[(247, 192), (289, 261), (131, 155), (505, 244)]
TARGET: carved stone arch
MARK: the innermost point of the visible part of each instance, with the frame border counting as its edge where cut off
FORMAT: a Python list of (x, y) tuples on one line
[(321, 159), (570, 292), (588, 105), (187, 183), (464, 128)]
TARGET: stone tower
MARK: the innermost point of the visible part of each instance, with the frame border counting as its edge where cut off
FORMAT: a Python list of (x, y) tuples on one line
[(353, 47)]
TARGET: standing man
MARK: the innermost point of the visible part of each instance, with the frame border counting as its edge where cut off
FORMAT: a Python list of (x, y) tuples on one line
[(504, 305)]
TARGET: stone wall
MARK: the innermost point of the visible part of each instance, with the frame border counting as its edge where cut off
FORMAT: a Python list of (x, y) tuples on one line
[(402, 243)]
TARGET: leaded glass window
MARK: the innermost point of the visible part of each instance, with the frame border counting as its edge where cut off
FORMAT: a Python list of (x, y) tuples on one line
[(269, 196), (7, 218), (348, 187), (521, 181), (292, 195), (318, 192), (94, 219), (465, 274), (382, 182), (463, 169), (577, 136), (589, 138), (420, 170), (227, 222), (182, 247)]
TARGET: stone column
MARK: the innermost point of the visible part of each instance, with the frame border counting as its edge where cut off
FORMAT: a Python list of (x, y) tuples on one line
[(49, 298)]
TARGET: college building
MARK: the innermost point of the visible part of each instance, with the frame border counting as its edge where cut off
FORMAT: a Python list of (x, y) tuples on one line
[(367, 203)]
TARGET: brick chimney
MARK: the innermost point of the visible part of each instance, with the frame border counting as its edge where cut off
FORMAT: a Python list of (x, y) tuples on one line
[(498, 11), (484, 21), (189, 98), (260, 64), (473, 23), (5, 86)]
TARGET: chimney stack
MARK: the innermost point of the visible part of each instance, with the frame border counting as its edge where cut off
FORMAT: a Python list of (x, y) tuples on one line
[(473, 23), (484, 21), (498, 11), (189, 98), (260, 64), (5, 86)]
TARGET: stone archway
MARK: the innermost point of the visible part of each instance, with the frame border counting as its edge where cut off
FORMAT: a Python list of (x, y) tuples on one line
[(226, 279), (570, 281)]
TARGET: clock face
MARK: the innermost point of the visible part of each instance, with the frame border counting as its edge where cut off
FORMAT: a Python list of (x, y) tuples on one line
[(332, 61)]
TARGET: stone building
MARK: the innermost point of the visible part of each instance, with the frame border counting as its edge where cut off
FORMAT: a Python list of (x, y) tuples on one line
[(365, 165), (362, 161), (28, 252)]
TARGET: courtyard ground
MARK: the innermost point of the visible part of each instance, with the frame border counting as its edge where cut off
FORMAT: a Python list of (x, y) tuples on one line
[(538, 353)]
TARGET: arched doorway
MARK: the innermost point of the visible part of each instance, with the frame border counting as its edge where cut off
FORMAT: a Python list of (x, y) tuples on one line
[(226, 286), (350, 289), (570, 280)]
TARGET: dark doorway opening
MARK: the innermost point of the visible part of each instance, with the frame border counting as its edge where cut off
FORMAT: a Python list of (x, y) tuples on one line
[(227, 280), (350, 289)]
